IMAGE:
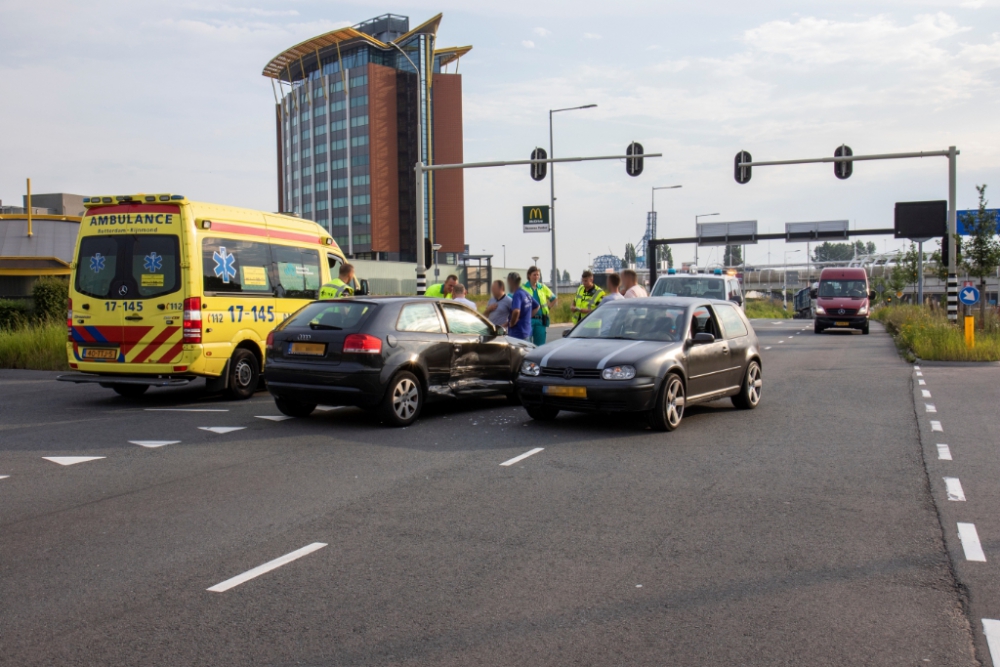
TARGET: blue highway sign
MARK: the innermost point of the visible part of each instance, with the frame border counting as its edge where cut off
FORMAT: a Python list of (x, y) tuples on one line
[(969, 296)]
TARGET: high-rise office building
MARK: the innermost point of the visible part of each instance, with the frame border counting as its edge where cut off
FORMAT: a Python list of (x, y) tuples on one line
[(350, 106)]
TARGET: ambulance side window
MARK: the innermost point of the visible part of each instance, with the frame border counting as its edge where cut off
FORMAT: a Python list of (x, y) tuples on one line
[(298, 272), (232, 266)]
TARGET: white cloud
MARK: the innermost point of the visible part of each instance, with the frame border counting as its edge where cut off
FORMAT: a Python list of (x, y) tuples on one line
[(543, 32), (591, 35), (528, 44)]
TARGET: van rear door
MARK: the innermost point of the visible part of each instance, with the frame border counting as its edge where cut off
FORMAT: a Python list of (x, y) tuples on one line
[(97, 322)]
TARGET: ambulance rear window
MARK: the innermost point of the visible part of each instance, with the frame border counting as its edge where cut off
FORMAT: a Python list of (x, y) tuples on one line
[(128, 266)]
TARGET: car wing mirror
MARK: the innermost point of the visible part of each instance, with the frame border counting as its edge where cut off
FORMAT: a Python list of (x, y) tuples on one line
[(813, 294), (363, 287), (872, 295), (737, 299), (501, 331), (703, 338), (566, 332)]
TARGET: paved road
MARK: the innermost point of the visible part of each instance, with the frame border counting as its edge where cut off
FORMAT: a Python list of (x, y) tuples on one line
[(802, 533)]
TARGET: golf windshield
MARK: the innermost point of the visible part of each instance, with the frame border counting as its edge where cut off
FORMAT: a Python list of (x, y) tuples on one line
[(854, 289), (664, 324), (705, 287)]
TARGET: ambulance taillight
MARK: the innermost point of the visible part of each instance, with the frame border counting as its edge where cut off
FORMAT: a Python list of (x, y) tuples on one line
[(192, 320), (69, 320)]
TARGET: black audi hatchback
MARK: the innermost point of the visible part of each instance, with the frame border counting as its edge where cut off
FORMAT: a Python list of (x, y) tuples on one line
[(390, 354)]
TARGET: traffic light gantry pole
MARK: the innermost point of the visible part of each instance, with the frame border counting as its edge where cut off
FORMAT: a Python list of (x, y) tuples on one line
[(744, 162), (420, 168)]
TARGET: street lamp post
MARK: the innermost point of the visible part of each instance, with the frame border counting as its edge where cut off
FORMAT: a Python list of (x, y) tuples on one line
[(437, 271), (784, 278), (421, 260), (552, 192), (702, 215), (652, 210), (504, 255)]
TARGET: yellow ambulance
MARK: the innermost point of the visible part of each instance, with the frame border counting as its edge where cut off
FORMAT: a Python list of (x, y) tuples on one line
[(166, 290)]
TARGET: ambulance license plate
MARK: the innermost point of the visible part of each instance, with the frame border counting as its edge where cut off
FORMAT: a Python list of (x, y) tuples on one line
[(100, 353), (566, 392), (310, 349), (842, 324)]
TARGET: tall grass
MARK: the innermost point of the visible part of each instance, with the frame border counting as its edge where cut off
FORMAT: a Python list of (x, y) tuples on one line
[(36, 346), (928, 334), (766, 309)]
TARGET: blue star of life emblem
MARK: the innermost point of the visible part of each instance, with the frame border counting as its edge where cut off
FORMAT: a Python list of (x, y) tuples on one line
[(153, 262), (225, 264), (97, 262)]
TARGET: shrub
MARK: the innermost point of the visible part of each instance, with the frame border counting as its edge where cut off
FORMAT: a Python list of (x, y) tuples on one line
[(766, 309), (50, 295), (929, 335), (13, 314)]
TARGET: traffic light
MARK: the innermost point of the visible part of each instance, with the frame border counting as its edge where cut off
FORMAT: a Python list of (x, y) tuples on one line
[(539, 169), (843, 170), (742, 174), (633, 165)]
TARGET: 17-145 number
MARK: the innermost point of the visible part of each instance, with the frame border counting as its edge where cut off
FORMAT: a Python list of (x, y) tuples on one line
[(258, 313)]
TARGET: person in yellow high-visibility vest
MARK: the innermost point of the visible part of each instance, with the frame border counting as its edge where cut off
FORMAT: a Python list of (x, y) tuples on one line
[(543, 295), (588, 297), (340, 286), (439, 291)]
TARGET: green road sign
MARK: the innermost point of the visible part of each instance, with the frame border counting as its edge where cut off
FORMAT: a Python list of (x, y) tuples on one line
[(536, 219)]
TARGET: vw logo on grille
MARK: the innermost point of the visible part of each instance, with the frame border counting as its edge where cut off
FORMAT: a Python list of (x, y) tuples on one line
[(568, 373), (841, 311)]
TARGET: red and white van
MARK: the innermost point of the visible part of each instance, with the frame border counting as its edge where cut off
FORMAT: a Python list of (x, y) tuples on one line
[(843, 300)]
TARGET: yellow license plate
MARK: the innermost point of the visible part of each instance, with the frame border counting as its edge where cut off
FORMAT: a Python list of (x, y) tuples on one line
[(100, 353), (567, 392), (311, 349), (842, 324)]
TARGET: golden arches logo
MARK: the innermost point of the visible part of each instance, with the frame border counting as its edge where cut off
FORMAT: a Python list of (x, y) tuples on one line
[(535, 214)]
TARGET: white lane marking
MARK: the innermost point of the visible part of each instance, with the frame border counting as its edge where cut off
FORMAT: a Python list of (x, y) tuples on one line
[(71, 460), (936, 426), (768, 347), (970, 543), (929, 407), (944, 452), (183, 410), (781, 341), (919, 374), (154, 443), (991, 629), (916, 368), (925, 394), (775, 322), (327, 408), (797, 333), (274, 418), (222, 429), (4, 476), (922, 382), (603, 362), (954, 488), (514, 460), (266, 567)]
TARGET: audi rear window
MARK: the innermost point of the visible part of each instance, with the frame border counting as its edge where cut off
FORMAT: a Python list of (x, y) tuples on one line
[(346, 315)]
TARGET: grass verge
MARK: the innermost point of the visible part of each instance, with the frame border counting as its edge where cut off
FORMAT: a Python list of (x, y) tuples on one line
[(928, 335), (37, 346), (766, 309)]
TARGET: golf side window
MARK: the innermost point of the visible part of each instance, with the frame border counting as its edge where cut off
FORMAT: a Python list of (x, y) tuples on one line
[(731, 321), (703, 321)]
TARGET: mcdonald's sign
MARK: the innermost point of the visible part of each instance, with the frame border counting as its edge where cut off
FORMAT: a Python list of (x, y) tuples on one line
[(536, 219)]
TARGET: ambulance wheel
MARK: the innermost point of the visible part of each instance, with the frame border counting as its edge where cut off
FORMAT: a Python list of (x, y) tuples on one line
[(244, 374), (130, 390)]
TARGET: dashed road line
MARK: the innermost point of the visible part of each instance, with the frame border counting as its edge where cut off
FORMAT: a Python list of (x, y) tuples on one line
[(919, 374), (154, 443), (925, 394), (922, 382), (970, 542), (991, 628), (936, 426), (929, 407), (4, 476), (71, 460), (781, 341), (768, 347), (266, 567), (514, 460), (954, 489), (274, 418), (944, 452), (221, 430)]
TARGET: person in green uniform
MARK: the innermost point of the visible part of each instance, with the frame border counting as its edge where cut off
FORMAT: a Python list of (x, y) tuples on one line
[(440, 291), (340, 286), (588, 297), (544, 296)]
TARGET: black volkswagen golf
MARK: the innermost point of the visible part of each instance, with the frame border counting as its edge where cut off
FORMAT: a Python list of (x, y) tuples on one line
[(390, 354)]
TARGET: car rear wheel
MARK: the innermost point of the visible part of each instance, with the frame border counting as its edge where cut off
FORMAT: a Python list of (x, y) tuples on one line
[(669, 410), (244, 374), (130, 390), (293, 408), (542, 413), (403, 400), (749, 395)]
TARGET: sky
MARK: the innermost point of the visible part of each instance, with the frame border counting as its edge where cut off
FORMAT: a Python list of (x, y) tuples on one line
[(110, 96)]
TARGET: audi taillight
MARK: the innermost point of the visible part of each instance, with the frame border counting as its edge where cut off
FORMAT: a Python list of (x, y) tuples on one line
[(270, 340), (192, 320), (69, 320), (362, 344)]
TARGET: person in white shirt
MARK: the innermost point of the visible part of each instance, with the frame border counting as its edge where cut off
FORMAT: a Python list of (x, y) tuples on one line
[(458, 294), (614, 282), (630, 283)]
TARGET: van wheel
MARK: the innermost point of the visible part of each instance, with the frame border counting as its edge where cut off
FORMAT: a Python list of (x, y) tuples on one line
[(130, 390), (818, 329), (669, 410), (864, 329), (244, 374), (293, 408), (403, 400), (749, 395)]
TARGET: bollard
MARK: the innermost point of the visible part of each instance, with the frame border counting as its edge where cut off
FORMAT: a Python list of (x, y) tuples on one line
[(970, 332)]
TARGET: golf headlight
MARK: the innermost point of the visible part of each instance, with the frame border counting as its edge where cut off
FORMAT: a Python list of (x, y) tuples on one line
[(863, 310), (820, 310), (530, 368), (618, 373)]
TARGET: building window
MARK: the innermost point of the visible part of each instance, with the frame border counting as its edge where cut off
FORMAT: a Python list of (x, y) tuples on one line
[(339, 183), (307, 207), (358, 160), (340, 202), (359, 121), (360, 141), (340, 221), (338, 164), (338, 145), (337, 86), (363, 218), (320, 148), (318, 92), (322, 205), (295, 121), (321, 186), (295, 192), (307, 189), (359, 101), (295, 156), (362, 239), (359, 81), (338, 125), (361, 180), (361, 200), (304, 115), (320, 110), (295, 139), (296, 174), (337, 106), (321, 167), (305, 133)]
